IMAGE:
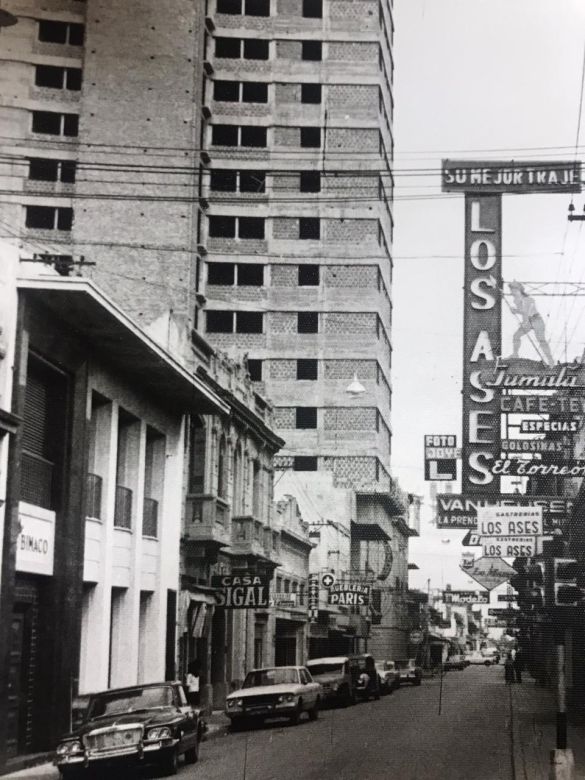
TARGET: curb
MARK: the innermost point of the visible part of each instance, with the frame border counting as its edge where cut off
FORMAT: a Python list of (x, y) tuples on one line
[(26, 762)]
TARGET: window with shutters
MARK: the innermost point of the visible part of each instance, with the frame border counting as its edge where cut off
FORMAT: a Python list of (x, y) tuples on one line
[(43, 435)]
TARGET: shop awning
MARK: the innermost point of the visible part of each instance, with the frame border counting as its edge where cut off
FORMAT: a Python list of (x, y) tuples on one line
[(121, 343), (369, 532)]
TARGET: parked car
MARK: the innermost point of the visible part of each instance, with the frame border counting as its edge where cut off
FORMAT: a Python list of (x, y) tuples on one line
[(333, 673), (388, 675), (340, 675), (492, 653), (455, 662), (409, 671), (142, 725), (363, 671), (476, 657), (277, 692)]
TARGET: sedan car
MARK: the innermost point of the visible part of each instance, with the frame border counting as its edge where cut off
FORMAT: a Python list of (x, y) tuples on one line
[(409, 671), (476, 657), (455, 662), (136, 726), (278, 692), (388, 675)]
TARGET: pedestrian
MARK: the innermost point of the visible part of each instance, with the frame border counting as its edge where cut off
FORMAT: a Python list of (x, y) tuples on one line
[(509, 669), (192, 683), (518, 665)]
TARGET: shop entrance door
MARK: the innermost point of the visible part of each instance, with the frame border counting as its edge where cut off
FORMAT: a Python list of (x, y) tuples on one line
[(18, 737)]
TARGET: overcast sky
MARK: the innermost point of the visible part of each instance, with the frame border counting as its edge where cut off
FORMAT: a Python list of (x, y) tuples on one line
[(475, 79)]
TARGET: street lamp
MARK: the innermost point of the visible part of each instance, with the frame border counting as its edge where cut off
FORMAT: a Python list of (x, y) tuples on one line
[(355, 387)]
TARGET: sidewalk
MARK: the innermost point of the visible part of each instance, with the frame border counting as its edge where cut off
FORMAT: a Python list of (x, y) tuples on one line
[(534, 732)]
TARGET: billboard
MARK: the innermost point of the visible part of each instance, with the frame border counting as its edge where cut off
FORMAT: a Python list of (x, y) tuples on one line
[(489, 572), (511, 176), (349, 594), (242, 591), (465, 597), (459, 511), (509, 521), (482, 341), (441, 455)]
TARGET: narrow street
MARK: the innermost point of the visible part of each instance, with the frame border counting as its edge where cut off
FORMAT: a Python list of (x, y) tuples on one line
[(401, 736)]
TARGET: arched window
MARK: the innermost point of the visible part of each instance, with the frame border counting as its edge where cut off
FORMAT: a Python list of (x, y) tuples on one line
[(237, 508), (221, 469), (197, 456)]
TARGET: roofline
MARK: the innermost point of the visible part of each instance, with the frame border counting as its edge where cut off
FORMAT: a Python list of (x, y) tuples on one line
[(87, 286)]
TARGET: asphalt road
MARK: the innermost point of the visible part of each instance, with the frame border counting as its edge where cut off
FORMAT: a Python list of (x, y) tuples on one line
[(400, 737)]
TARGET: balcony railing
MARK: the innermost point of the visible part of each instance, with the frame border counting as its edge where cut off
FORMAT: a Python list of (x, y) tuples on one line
[(123, 508), (207, 520), (150, 518), (93, 506)]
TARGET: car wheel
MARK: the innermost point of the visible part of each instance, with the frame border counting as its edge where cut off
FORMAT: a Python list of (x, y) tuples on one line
[(486, 663), (377, 695), (296, 716), (169, 764), (237, 724), (417, 681), (192, 756), (314, 713), (69, 774)]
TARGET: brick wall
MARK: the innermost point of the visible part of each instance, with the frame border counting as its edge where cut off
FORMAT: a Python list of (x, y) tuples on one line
[(282, 369), (349, 322), (287, 136), (351, 276), (350, 230), (354, 469), (345, 51), (231, 245), (284, 417), (288, 93), (355, 95), (285, 227), (353, 139), (365, 185), (282, 322), (350, 419), (289, 181), (345, 369), (284, 275), (289, 8), (289, 50)]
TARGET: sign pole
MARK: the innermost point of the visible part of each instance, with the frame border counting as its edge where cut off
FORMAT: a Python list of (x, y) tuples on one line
[(562, 763), (441, 689)]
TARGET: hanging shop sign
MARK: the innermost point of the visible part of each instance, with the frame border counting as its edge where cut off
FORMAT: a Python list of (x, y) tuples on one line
[(482, 340), (471, 539), (441, 454), (507, 597), (542, 404), (495, 623), (508, 546), (503, 613), (489, 572), (560, 449), (536, 468), (549, 426), (284, 600), (465, 597), (459, 511), (523, 374), (349, 594), (491, 176), (509, 521), (467, 560), (35, 545), (313, 597), (242, 591)]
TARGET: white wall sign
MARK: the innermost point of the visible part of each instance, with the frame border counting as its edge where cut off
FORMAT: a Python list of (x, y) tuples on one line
[(35, 547), (508, 546)]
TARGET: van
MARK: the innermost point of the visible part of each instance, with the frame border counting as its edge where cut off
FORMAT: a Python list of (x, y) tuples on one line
[(346, 678)]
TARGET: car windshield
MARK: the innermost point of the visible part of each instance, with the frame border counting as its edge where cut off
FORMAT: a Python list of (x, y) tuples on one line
[(317, 669), (118, 702), (281, 676)]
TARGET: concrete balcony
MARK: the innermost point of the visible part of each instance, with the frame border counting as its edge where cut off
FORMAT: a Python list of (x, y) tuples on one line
[(251, 539), (207, 521)]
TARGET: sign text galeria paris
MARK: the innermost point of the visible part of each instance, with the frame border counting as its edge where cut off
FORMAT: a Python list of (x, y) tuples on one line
[(483, 184)]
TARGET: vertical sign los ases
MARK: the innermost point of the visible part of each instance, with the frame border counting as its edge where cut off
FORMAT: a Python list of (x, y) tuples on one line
[(482, 340)]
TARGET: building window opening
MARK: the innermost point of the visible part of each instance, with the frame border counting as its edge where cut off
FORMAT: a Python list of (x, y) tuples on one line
[(71, 125), (308, 275), (254, 92), (220, 321), (233, 7), (226, 91), (310, 93), (223, 181), (313, 9), (251, 227), (46, 122), (306, 417), (310, 228), (61, 32), (224, 135), (312, 50), (221, 469), (222, 227), (310, 181), (197, 455), (228, 48), (255, 49), (221, 273), (252, 181), (249, 322), (307, 322), (307, 369), (250, 275), (253, 136), (257, 7), (311, 137), (48, 218), (305, 463), (254, 369)]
